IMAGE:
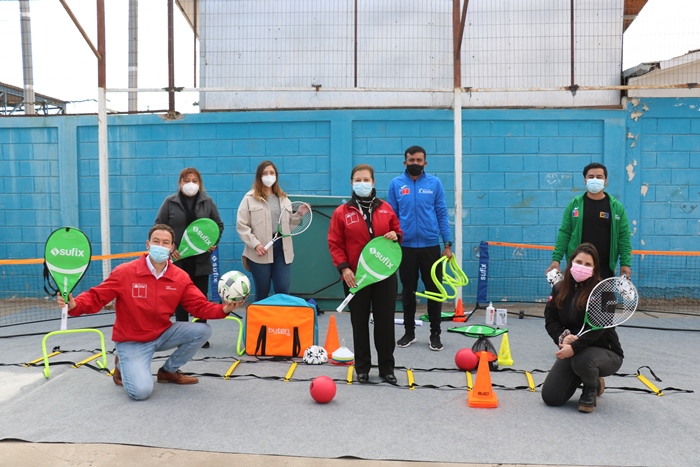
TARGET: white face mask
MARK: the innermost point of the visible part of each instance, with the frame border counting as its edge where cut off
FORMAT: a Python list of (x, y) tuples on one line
[(269, 180), (190, 189), (595, 185)]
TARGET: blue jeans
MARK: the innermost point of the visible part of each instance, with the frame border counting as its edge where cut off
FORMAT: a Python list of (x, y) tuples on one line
[(278, 272), (135, 357)]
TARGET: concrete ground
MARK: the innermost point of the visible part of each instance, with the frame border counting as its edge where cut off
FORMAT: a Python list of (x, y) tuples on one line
[(20, 454)]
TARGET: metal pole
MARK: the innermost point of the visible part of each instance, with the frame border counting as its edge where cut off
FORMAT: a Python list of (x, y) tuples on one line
[(103, 159), (573, 82), (171, 60), (355, 41), (457, 35), (28, 69), (133, 54), (194, 46)]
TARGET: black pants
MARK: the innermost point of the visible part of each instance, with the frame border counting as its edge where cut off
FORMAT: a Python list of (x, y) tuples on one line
[(380, 300), (202, 283), (584, 367), (413, 262)]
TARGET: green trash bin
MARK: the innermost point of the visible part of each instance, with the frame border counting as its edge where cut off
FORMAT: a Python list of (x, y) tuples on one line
[(313, 273)]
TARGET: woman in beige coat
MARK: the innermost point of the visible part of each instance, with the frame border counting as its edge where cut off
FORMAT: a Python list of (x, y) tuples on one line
[(258, 215)]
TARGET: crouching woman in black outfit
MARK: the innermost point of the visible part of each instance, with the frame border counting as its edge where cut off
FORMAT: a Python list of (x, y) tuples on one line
[(580, 360)]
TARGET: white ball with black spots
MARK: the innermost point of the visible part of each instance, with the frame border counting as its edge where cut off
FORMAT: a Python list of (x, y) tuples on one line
[(315, 355)]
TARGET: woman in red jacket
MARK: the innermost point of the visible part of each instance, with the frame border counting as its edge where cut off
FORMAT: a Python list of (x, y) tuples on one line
[(353, 225)]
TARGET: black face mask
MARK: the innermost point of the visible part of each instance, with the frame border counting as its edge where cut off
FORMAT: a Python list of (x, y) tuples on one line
[(414, 169)]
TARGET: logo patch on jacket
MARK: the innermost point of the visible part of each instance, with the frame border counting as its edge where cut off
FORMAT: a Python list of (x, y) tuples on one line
[(139, 290), (574, 213), (170, 287), (352, 218), (405, 190)]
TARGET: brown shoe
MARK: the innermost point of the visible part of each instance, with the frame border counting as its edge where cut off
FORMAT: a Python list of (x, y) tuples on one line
[(116, 374), (601, 386), (177, 377)]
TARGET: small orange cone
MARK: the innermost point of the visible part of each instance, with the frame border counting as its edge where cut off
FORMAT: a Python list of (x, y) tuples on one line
[(482, 395), (332, 343), (459, 312)]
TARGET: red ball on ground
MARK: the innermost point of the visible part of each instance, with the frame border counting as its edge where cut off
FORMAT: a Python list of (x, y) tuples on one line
[(466, 359), (322, 389)]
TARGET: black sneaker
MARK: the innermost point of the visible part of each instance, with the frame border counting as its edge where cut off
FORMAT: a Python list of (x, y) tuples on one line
[(406, 340), (435, 343)]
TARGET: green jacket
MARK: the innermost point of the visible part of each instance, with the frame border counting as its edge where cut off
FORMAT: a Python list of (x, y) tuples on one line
[(569, 236)]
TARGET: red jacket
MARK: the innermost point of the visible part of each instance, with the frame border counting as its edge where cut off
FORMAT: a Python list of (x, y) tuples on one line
[(348, 234), (145, 304)]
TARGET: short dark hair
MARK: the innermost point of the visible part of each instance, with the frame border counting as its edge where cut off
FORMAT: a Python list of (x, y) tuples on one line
[(595, 165), (165, 227), (414, 149)]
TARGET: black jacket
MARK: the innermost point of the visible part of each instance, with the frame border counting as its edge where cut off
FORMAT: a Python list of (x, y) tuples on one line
[(572, 318), (172, 213)]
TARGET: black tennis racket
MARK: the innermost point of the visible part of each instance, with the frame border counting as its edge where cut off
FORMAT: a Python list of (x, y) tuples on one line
[(292, 221), (611, 302)]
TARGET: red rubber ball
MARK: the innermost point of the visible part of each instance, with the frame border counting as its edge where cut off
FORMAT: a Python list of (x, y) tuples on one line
[(466, 359), (322, 389)]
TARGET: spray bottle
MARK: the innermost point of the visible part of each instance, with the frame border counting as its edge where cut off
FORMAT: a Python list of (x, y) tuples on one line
[(490, 314)]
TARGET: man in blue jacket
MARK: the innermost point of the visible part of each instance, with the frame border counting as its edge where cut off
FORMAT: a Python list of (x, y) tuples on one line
[(419, 200)]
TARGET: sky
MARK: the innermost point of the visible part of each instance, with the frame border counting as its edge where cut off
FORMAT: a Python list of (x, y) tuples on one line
[(65, 67)]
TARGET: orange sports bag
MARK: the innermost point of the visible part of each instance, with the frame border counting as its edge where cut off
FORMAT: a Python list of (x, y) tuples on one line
[(280, 326)]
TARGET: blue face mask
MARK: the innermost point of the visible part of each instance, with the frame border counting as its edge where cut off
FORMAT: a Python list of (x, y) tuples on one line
[(595, 185), (362, 189), (158, 254)]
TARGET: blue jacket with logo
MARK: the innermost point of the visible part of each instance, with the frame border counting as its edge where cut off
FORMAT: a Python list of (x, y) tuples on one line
[(421, 208)]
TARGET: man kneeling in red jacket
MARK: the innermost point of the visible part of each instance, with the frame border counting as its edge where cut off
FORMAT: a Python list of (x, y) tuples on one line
[(147, 291)]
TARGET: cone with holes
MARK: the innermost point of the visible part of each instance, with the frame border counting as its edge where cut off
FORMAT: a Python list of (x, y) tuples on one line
[(459, 312), (504, 358), (482, 395), (332, 341)]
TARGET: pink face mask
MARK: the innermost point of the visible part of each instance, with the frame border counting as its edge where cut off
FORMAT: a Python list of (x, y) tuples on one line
[(580, 272)]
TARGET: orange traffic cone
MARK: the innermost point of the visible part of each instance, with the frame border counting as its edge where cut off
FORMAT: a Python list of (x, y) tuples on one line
[(332, 343), (459, 312), (482, 395)]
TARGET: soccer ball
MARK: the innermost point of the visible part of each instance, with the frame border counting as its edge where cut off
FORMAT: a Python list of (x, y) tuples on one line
[(315, 355), (234, 286)]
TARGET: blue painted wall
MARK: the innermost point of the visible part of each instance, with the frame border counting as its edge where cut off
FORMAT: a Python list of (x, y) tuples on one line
[(521, 167)]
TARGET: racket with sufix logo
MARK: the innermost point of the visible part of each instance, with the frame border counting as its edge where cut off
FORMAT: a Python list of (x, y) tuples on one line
[(292, 221), (611, 302), (199, 236), (379, 259), (66, 258)]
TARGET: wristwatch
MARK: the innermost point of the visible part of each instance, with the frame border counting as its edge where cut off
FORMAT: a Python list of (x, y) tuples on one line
[(448, 244)]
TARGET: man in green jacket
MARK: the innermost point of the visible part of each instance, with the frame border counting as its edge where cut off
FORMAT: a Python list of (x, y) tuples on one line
[(598, 218)]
